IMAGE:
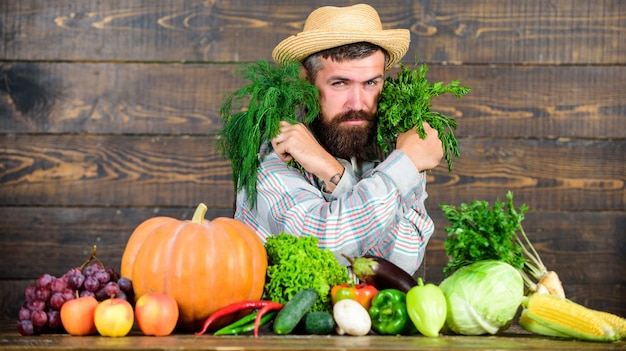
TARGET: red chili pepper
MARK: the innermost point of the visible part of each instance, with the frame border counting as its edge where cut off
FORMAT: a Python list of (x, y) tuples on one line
[(361, 293), (233, 308), (272, 306)]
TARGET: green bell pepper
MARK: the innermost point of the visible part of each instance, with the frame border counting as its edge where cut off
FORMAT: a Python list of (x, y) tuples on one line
[(427, 308), (389, 313)]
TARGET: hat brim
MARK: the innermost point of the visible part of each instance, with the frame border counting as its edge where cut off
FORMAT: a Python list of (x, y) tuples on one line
[(300, 46)]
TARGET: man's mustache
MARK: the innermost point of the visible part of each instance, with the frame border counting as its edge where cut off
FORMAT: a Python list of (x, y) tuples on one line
[(355, 116)]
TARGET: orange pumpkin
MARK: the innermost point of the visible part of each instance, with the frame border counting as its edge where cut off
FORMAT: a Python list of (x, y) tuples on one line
[(203, 265)]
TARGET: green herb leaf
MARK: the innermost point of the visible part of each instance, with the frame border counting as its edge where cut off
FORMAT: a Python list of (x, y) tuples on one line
[(405, 102), (275, 93)]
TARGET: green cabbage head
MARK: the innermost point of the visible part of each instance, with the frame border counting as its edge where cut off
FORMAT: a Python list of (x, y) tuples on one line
[(482, 297)]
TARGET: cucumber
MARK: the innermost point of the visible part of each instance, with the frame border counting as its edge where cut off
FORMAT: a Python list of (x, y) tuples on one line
[(294, 310), (319, 323)]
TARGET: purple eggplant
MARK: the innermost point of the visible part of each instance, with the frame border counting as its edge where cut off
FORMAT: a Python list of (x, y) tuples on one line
[(381, 273)]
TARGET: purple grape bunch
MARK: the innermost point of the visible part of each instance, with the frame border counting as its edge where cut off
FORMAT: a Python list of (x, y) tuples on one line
[(40, 312)]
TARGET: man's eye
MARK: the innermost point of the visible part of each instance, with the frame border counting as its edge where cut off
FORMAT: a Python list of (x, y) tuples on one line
[(339, 83)]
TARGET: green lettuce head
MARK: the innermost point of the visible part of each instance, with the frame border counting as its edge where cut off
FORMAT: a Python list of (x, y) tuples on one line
[(482, 297), (296, 263)]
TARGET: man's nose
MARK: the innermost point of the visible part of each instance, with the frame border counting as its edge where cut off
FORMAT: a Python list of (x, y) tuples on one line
[(356, 99)]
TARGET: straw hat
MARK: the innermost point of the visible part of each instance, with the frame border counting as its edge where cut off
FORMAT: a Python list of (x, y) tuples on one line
[(328, 27)]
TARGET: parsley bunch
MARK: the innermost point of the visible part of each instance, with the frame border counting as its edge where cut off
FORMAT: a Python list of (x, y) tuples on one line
[(405, 103), (478, 232), (274, 93)]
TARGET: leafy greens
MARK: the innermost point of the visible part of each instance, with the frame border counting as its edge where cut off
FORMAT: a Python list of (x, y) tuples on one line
[(478, 232), (251, 115), (275, 93), (296, 263), (405, 103), (482, 297)]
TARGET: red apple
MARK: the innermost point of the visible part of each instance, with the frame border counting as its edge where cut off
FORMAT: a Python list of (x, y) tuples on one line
[(114, 317), (156, 314), (77, 315)]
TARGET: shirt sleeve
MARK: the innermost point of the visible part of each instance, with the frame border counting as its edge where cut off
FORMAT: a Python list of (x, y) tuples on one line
[(381, 213)]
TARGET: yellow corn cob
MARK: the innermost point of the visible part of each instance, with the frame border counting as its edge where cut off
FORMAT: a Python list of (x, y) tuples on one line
[(569, 318), (618, 323), (535, 327)]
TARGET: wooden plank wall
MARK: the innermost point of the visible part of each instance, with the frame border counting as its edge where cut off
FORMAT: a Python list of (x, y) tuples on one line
[(108, 115)]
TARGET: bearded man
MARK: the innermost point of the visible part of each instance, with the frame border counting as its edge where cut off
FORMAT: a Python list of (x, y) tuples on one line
[(353, 199)]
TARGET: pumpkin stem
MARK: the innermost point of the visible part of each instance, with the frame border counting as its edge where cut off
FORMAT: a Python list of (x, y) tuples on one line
[(198, 216)]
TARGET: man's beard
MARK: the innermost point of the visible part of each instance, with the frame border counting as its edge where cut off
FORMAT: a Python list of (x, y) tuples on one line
[(346, 141)]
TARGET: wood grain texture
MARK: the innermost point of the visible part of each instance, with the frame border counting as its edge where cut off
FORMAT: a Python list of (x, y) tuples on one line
[(114, 98), (113, 170), (514, 338), (493, 31), (118, 170), (122, 98), (564, 175)]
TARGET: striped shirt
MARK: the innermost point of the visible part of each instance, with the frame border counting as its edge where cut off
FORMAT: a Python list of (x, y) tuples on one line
[(377, 208)]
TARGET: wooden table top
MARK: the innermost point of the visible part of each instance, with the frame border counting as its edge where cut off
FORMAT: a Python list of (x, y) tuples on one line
[(513, 339)]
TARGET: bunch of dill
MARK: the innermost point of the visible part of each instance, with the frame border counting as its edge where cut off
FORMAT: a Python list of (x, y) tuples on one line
[(251, 115)]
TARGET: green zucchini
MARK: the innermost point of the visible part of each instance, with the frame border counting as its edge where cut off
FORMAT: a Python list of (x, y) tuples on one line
[(294, 310), (319, 323)]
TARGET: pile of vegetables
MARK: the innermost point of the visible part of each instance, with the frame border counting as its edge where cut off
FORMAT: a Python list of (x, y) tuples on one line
[(479, 232), (308, 287), (489, 266), (307, 290), (494, 269), (481, 297)]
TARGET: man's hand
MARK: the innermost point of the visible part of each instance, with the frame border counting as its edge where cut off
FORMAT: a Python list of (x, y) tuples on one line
[(426, 153), (295, 141)]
